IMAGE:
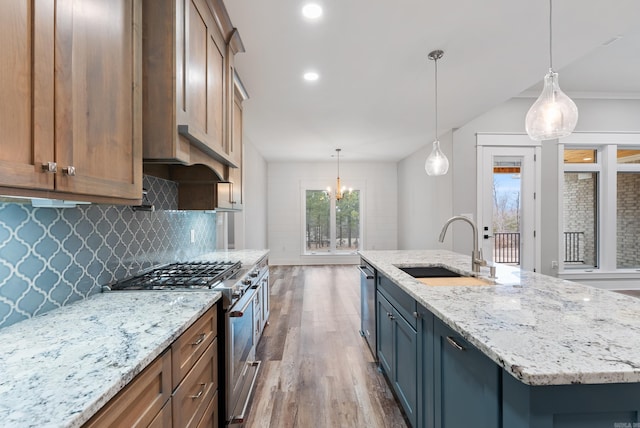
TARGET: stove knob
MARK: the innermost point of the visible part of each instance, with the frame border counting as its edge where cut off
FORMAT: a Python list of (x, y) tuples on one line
[(246, 282), (236, 294)]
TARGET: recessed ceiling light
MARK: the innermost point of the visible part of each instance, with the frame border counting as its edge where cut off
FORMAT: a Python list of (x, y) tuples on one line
[(312, 11), (311, 76)]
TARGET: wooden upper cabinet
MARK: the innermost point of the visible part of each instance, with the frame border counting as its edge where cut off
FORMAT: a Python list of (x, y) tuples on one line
[(188, 47), (98, 72), (26, 85), (235, 175), (70, 78), (205, 78)]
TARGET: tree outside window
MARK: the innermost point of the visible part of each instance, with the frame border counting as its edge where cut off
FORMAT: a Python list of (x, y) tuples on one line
[(321, 212)]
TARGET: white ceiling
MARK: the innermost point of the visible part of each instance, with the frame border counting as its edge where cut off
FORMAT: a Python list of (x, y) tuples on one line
[(374, 98)]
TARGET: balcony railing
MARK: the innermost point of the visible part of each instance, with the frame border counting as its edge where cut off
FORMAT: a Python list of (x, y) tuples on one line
[(573, 247), (506, 247)]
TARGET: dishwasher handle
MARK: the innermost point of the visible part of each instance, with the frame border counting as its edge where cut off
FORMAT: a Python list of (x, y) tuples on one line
[(365, 271)]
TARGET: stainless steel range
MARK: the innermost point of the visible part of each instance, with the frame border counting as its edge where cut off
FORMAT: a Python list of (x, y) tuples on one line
[(238, 287)]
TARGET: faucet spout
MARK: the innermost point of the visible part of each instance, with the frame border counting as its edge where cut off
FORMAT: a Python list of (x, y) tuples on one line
[(476, 255)]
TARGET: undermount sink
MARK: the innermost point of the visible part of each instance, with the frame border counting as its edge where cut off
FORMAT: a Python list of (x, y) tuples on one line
[(441, 276), (429, 272)]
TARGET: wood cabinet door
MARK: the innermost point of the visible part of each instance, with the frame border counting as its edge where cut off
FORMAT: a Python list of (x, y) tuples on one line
[(26, 85), (235, 145), (235, 152), (205, 77), (98, 98)]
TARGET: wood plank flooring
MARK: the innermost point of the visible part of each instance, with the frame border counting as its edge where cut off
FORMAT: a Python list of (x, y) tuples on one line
[(317, 370)]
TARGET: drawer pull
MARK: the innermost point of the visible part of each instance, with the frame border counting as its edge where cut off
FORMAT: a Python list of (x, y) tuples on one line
[(200, 339), (455, 344), (199, 394)]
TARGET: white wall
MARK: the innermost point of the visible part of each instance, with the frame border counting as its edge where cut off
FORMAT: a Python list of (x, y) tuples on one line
[(251, 223), (424, 202), (285, 220)]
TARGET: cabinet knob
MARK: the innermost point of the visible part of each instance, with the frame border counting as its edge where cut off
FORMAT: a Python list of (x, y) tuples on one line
[(70, 170), (50, 167)]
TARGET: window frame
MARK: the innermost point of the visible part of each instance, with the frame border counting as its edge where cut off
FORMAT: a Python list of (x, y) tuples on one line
[(322, 186), (607, 168)]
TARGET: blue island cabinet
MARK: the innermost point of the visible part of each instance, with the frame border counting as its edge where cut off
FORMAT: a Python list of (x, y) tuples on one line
[(466, 383), (569, 406), (398, 344)]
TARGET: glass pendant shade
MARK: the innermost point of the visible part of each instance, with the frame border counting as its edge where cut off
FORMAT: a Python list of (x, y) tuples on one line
[(436, 163), (553, 115)]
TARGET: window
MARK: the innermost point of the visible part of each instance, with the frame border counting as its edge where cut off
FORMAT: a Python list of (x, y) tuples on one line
[(628, 209), (601, 206), (332, 226)]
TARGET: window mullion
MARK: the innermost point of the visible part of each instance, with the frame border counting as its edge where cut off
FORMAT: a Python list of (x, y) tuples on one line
[(607, 209), (332, 226)]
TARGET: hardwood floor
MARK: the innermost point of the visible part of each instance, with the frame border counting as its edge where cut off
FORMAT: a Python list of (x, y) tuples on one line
[(317, 370)]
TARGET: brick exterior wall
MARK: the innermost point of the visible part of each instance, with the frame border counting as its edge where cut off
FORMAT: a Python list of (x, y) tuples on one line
[(580, 211), (628, 220)]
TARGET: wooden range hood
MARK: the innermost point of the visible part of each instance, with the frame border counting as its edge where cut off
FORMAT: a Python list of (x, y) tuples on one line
[(199, 186)]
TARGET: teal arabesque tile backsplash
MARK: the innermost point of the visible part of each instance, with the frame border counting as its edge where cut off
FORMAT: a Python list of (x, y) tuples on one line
[(50, 257)]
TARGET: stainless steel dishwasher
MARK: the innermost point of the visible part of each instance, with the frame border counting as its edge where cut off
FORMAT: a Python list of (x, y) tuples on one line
[(368, 305)]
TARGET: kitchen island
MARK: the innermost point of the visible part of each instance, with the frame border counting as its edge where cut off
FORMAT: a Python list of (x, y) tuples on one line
[(60, 368), (554, 353)]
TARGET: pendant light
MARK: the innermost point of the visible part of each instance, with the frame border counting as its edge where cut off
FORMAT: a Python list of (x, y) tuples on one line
[(436, 163), (554, 114)]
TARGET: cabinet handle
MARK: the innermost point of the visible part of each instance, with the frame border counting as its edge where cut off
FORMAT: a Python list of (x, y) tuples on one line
[(416, 315), (455, 344), (70, 170), (200, 339), (50, 167), (199, 394)]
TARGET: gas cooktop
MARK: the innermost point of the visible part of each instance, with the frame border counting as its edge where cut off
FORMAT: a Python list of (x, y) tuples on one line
[(180, 276)]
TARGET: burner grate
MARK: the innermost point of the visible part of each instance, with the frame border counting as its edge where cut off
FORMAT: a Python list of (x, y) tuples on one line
[(195, 275)]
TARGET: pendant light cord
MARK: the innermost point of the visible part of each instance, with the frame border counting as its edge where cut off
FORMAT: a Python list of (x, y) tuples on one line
[(436, 97), (550, 34)]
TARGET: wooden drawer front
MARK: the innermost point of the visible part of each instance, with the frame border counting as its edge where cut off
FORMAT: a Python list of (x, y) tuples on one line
[(191, 398), (192, 343), (211, 415), (163, 419), (140, 401)]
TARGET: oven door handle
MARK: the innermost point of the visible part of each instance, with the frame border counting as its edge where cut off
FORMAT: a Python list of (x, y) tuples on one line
[(240, 313)]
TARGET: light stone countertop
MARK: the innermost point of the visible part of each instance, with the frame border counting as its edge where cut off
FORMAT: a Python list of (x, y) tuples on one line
[(540, 329), (247, 257), (59, 368)]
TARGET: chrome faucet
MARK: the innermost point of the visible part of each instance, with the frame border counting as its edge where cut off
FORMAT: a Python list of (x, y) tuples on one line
[(476, 255)]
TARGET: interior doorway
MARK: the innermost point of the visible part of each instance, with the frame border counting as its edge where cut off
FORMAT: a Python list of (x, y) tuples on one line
[(508, 207)]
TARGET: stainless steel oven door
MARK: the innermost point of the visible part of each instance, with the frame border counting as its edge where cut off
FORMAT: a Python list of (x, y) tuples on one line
[(241, 367)]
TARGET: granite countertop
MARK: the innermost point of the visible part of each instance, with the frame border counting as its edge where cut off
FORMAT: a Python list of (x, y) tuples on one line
[(60, 368), (540, 329), (246, 257)]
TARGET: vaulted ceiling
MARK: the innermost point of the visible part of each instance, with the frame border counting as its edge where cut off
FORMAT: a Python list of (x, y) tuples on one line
[(375, 95)]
